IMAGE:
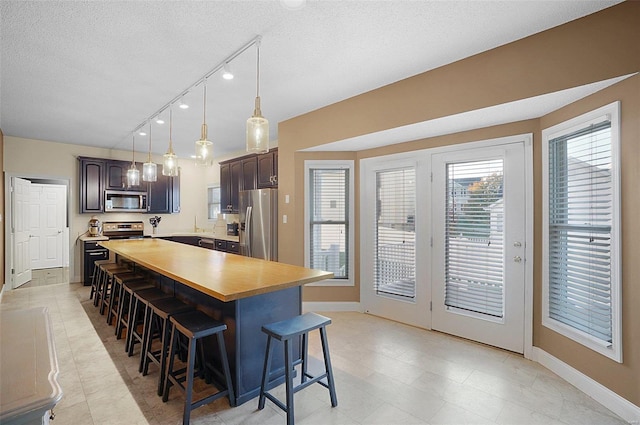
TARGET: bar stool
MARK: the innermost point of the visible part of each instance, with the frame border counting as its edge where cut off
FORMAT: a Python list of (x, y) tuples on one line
[(157, 322), (101, 276), (286, 331), (140, 300), (126, 306), (107, 279), (195, 326), (95, 277), (116, 292)]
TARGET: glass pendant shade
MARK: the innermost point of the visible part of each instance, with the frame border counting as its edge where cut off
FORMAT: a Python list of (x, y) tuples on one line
[(257, 131), (204, 149), (133, 176), (170, 164), (149, 171)]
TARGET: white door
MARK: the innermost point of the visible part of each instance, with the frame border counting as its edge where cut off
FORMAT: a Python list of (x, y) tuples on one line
[(478, 264), (21, 255), (47, 220), (394, 283)]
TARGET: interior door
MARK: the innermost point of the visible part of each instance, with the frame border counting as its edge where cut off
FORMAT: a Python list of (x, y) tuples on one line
[(21, 254), (47, 220), (478, 259)]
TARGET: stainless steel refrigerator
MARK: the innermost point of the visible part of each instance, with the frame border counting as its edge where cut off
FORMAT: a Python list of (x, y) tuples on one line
[(259, 223)]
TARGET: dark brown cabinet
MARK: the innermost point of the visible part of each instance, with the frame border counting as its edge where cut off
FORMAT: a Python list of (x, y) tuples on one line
[(268, 169), (91, 185), (163, 195), (226, 246), (98, 175), (243, 173)]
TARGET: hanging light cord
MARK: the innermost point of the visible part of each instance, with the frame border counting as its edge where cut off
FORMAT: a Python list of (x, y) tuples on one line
[(149, 160), (258, 70), (133, 150), (170, 128), (204, 102)]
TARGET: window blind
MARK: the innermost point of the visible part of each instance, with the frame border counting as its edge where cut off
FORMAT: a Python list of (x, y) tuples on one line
[(395, 233), (474, 245), (580, 220), (329, 226)]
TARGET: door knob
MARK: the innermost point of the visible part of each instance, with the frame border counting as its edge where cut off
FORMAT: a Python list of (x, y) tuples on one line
[(517, 244), (517, 259)]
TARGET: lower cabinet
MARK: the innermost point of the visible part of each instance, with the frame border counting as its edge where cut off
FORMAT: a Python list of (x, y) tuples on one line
[(91, 252), (227, 246)]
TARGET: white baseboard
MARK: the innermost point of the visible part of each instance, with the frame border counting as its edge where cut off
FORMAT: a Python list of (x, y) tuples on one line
[(603, 395), (331, 306)]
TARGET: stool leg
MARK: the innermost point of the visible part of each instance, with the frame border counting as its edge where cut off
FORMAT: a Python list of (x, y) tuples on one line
[(163, 354), (305, 349), (227, 371), (288, 372), (188, 396), (121, 311), (169, 369), (265, 373), (94, 280), (112, 300), (98, 293), (327, 366), (132, 323), (148, 315), (146, 345)]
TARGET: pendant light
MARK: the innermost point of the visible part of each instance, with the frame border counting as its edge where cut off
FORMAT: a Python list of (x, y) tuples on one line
[(133, 174), (257, 125), (204, 147), (170, 165), (149, 169)]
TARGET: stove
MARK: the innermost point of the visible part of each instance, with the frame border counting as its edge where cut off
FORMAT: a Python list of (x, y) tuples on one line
[(123, 229)]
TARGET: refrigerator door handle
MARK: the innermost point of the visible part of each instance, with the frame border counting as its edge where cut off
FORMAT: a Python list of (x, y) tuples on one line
[(247, 227)]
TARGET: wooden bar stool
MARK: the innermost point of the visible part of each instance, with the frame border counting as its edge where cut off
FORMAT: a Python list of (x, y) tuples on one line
[(116, 292), (126, 306), (140, 300), (101, 276), (96, 276), (286, 331), (157, 324), (107, 280), (195, 326)]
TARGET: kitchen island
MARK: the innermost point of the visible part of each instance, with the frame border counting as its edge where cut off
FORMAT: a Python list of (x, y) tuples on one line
[(245, 293)]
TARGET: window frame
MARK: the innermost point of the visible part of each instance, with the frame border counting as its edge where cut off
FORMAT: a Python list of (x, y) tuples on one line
[(614, 349), (349, 165), (209, 188)]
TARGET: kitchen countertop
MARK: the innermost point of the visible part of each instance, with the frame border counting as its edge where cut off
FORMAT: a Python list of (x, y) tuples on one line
[(226, 277), (87, 238)]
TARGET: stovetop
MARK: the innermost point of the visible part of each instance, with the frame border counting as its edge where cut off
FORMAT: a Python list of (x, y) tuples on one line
[(123, 229)]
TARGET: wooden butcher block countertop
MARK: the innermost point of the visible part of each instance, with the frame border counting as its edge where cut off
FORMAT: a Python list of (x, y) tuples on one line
[(226, 277)]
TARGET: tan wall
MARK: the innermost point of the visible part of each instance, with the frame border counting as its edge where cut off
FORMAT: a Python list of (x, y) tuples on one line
[(553, 60), (37, 158)]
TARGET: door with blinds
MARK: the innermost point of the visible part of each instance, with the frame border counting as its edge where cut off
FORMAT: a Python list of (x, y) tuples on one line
[(478, 272), (390, 264)]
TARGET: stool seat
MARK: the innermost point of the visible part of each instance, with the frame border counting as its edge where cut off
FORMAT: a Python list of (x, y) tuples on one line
[(196, 325), (140, 298), (285, 331), (126, 306), (166, 307)]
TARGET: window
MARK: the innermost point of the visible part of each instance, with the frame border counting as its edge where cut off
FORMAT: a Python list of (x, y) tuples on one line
[(329, 218), (395, 233), (581, 230), (213, 202)]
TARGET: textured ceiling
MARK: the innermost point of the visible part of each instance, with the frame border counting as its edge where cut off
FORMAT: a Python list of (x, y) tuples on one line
[(91, 72)]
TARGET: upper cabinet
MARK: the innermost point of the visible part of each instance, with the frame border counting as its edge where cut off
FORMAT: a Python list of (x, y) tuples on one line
[(91, 185), (240, 174), (98, 175), (268, 169)]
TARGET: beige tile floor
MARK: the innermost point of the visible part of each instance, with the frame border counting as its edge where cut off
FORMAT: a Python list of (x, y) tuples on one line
[(386, 373)]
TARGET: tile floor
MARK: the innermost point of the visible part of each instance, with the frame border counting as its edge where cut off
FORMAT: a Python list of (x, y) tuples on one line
[(386, 373)]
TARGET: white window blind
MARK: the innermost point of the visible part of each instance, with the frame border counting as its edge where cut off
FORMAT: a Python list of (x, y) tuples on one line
[(580, 217), (213, 202), (474, 245), (329, 225), (395, 266)]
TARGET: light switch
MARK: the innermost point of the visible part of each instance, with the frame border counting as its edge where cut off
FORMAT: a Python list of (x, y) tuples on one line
[(286, 199), (284, 219)]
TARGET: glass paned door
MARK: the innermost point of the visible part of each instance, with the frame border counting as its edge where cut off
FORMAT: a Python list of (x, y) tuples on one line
[(478, 244)]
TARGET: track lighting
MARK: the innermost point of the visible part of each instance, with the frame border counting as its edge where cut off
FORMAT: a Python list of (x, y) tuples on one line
[(183, 105), (159, 120), (226, 71)]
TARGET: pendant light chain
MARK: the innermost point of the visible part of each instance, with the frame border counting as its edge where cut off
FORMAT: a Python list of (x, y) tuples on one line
[(149, 159), (204, 102), (170, 128), (258, 71)]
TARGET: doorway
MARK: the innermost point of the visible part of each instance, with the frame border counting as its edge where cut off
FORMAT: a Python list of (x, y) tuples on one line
[(444, 240), (37, 228)]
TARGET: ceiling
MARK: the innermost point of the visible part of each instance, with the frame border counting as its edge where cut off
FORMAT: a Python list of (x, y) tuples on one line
[(91, 72)]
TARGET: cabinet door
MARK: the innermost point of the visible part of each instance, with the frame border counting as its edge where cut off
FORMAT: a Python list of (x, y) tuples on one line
[(158, 194), (91, 186), (225, 187), (236, 185), (268, 170), (249, 173), (116, 175)]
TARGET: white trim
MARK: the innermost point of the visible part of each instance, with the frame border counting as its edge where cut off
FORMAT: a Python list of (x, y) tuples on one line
[(608, 112), (335, 164), (331, 306), (603, 395), (528, 249)]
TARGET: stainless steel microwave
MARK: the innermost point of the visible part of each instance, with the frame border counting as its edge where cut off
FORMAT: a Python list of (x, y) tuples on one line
[(120, 201)]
